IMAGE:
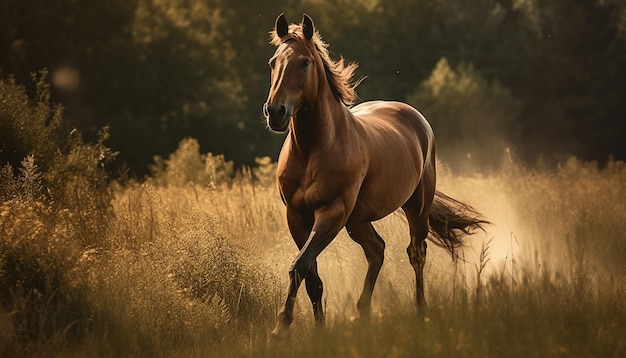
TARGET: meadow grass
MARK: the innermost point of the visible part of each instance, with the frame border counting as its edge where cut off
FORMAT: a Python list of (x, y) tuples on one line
[(200, 269)]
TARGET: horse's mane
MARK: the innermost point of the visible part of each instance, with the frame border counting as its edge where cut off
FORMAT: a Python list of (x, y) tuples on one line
[(338, 73)]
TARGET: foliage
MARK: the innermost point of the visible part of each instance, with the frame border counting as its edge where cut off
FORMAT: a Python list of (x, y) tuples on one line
[(73, 172), (156, 71), (187, 166), (182, 269), (166, 278), (471, 118), (40, 251), (28, 127), (26, 186), (193, 260), (142, 275)]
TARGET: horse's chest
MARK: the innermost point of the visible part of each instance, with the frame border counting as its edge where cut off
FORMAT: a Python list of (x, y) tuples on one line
[(292, 192), (311, 188)]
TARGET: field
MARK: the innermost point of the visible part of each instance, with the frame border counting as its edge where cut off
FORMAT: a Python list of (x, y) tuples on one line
[(170, 267)]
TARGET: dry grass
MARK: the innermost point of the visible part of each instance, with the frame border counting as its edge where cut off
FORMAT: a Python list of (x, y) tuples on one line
[(200, 270)]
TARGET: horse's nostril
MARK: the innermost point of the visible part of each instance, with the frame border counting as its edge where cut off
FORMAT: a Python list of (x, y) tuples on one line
[(282, 111), (278, 111)]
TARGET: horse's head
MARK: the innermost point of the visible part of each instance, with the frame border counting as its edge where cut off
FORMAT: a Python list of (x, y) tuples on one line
[(295, 72)]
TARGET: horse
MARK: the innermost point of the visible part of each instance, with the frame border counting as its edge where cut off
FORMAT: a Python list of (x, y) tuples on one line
[(347, 167)]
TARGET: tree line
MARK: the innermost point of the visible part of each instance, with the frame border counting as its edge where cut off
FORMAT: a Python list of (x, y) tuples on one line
[(543, 78)]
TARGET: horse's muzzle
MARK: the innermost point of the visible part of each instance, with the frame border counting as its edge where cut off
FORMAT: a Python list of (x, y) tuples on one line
[(277, 116)]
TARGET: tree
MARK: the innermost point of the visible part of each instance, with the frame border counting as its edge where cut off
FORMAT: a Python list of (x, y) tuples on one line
[(572, 99), (473, 120), (158, 71)]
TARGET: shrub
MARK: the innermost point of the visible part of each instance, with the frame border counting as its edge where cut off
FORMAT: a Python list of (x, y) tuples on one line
[(54, 209), (39, 256), (72, 171), (177, 231), (77, 180), (28, 127), (27, 186), (474, 120), (186, 165)]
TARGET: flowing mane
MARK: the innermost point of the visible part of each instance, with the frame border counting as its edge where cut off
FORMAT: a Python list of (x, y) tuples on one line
[(338, 73)]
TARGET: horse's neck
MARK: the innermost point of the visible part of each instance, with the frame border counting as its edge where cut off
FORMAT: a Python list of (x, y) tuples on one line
[(320, 125)]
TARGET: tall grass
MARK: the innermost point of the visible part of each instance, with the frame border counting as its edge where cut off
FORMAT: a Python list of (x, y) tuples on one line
[(195, 266)]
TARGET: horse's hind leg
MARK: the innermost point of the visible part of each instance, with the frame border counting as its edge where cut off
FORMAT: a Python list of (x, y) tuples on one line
[(374, 247), (417, 210), (417, 252)]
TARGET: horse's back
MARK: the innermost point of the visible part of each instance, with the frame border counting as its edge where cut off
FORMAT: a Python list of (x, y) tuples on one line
[(394, 114), (400, 146), (396, 119)]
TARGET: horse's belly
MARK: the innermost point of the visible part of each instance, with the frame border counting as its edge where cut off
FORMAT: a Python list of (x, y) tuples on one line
[(379, 199)]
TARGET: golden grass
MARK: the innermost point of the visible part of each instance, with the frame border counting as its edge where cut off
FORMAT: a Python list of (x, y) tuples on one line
[(199, 270)]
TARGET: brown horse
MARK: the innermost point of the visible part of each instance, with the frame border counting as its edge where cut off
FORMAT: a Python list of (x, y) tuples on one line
[(342, 167)]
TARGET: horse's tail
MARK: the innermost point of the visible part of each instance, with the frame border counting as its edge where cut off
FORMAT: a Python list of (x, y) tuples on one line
[(451, 220)]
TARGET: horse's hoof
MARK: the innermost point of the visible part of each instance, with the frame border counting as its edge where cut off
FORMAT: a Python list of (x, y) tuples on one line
[(280, 334)]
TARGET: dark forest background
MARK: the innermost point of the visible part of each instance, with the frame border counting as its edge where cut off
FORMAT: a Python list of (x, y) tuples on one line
[(545, 79)]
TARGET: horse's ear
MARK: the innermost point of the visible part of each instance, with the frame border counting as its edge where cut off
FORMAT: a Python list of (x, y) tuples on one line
[(281, 26), (308, 28)]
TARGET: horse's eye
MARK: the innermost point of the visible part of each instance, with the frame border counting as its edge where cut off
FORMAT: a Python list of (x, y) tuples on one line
[(305, 64)]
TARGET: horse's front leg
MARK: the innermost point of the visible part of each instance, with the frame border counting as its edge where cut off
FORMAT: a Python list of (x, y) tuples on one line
[(300, 226), (315, 289), (328, 221)]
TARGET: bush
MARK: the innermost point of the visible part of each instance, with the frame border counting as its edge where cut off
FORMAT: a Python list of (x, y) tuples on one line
[(186, 165), (28, 127), (473, 120), (77, 180), (54, 210), (73, 174), (40, 253), (27, 186), (176, 229)]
